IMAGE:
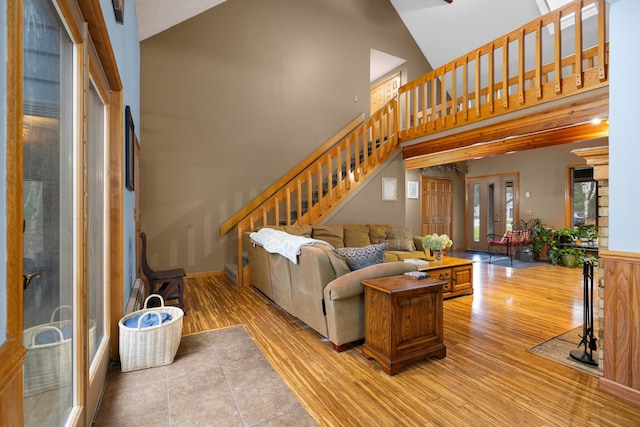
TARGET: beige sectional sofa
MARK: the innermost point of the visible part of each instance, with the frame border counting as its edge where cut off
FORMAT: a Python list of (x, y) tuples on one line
[(320, 289)]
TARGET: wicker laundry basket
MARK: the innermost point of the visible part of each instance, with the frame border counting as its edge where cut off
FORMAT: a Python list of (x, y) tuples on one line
[(48, 364), (147, 347)]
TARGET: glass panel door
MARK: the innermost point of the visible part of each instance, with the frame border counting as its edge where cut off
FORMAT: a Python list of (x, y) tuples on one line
[(491, 208), (49, 333)]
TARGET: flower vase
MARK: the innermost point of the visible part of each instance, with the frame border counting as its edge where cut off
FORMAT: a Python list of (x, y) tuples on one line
[(438, 255)]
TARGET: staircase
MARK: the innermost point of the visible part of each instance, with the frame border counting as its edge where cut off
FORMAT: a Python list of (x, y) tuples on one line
[(502, 77), (319, 183)]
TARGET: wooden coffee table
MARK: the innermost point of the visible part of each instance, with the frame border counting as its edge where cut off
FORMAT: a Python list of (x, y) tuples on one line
[(402, 320), (457, 272)]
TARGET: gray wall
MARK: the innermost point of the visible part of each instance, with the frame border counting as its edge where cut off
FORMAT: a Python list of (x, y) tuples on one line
[(543, 173), (234, 97)]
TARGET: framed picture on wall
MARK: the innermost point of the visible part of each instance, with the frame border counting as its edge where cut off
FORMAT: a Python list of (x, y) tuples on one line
[(389, 189), (118, 9), (130, 141), (413, 190)]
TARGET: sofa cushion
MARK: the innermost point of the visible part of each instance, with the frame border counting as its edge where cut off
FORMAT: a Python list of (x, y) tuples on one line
[(297, 229), (400, 239), (402, 255), (338, 262), (332, 234), (356, 236), (358, 258), (378, 233), (350, 285)]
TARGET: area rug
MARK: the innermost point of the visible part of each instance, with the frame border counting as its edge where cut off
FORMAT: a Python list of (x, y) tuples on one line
[(557, 349), (218, 378)]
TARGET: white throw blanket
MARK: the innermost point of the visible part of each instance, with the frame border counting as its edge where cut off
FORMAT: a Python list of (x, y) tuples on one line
[(285, 244)]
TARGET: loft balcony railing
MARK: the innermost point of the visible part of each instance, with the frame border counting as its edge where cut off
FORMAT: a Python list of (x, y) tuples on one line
[(561, 54), (532, 65)]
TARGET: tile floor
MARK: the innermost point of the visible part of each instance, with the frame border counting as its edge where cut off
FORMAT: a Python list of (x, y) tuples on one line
[(218, 378)]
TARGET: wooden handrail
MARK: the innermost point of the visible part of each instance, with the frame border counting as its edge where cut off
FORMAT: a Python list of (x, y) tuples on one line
[(438, 101)]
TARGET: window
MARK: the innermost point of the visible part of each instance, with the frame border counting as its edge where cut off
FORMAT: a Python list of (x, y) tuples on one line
[(584, 196)]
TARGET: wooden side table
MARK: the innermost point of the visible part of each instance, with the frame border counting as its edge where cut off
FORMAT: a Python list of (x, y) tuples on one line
[(402, 320)]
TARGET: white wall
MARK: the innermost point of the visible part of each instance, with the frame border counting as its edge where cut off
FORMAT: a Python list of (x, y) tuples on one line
[(624, 148)]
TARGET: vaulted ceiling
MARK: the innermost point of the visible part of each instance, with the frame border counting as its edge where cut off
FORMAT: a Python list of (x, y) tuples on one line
[(443, 29)]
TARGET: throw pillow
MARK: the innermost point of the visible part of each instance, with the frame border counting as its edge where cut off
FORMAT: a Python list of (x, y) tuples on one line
[(356, 236), (400, 239), (378, 233), (332, 234), (358, 258)]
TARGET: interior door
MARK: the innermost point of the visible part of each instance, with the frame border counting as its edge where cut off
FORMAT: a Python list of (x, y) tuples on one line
[(491, 208), (384, 92), (437, 206)]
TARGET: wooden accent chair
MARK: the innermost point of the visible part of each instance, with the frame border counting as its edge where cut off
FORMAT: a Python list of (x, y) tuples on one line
[(512, 243), (167, 283)]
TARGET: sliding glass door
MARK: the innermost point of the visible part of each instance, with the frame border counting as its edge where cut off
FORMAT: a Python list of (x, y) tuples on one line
[(66, 211), (48, 201)]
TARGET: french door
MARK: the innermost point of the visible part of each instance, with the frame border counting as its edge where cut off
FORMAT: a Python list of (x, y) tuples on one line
[(65, 206), (491, 207)]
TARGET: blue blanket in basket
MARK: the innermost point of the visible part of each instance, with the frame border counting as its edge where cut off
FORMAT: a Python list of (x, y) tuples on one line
[(148, 320), (49, 336)]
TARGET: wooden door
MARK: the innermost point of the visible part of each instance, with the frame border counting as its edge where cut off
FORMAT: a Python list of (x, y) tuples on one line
[(436, 206), (384, 92)]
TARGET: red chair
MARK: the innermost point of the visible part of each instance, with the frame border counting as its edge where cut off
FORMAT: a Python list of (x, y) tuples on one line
[(510, 244), (167, 283)]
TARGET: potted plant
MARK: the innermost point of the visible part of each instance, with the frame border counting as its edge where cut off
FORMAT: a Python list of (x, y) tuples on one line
[(541, 238), (564, 250), (587, 233)]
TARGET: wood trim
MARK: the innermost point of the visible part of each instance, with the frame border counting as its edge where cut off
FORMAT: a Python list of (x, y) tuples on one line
[(251, 206), (506, 145), (116, 219), (619, 390), (621, 330), (12, 352), (92, 13), (598, 157), (578, 112)]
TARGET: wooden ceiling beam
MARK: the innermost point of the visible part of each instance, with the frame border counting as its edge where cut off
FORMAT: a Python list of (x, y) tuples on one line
[(549, 138), (560, 117)]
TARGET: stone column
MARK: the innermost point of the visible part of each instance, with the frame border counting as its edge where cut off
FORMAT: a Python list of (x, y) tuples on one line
[(598, 157)]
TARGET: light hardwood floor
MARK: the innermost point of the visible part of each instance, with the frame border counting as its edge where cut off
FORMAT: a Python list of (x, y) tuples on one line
[(487, 377)]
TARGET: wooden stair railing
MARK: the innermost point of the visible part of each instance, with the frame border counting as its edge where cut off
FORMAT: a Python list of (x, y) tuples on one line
[(508, 74), (318, 188), (497, 79)]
